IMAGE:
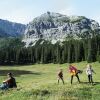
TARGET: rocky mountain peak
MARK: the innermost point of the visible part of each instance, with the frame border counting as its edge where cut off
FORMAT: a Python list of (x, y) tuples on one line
[(57, 27)]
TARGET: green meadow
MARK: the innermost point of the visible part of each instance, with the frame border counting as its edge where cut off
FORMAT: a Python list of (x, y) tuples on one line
[(39, 82)]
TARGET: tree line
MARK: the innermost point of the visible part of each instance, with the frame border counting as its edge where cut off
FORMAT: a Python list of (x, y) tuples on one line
[(13, 51)]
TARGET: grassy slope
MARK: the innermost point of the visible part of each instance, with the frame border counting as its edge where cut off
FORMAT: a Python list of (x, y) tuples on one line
[(39, 82)]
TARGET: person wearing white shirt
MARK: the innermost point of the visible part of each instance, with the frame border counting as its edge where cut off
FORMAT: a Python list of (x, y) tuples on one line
[(89, 72)]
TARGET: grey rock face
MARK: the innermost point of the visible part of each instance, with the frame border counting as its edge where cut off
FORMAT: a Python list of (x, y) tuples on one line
[(56, 27)]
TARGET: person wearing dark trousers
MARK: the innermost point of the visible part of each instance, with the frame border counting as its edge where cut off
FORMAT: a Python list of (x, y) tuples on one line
[(89, 72), (74, 72), (60, 76), (90, 79), (76, 76)]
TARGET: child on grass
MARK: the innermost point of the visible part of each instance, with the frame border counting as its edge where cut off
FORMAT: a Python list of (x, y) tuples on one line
[(60, 76), (89, 72)]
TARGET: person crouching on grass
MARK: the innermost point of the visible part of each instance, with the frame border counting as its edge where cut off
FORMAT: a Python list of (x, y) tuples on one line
[(10, 82), (74, 72), (89, 72), (60, 76)]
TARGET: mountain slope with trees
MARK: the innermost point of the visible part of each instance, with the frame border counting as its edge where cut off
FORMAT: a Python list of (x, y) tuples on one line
[(75, 47), (15, 52), (11, 29)]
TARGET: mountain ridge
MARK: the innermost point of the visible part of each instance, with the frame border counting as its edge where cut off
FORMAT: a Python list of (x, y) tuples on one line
[(11, 29)]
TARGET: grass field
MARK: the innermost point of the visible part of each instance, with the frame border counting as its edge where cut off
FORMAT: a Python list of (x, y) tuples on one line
[(39, 82)]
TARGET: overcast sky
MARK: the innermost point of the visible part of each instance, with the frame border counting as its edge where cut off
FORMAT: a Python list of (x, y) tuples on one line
[(23, 11)]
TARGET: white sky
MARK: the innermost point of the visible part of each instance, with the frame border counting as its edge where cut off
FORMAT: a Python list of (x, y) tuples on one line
[(23, 11)]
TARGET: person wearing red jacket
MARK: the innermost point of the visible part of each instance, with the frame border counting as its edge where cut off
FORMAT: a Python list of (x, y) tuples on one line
[(74, 72)]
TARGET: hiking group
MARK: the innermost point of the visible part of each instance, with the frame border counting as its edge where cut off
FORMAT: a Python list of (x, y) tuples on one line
[(10, 82), (75, 72)]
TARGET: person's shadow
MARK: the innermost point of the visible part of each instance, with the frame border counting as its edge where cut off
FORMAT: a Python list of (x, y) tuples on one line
[(94, 83)]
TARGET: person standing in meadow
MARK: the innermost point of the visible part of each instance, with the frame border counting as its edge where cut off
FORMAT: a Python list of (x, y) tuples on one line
[(60, 76), (89, 72), (74, 72)]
